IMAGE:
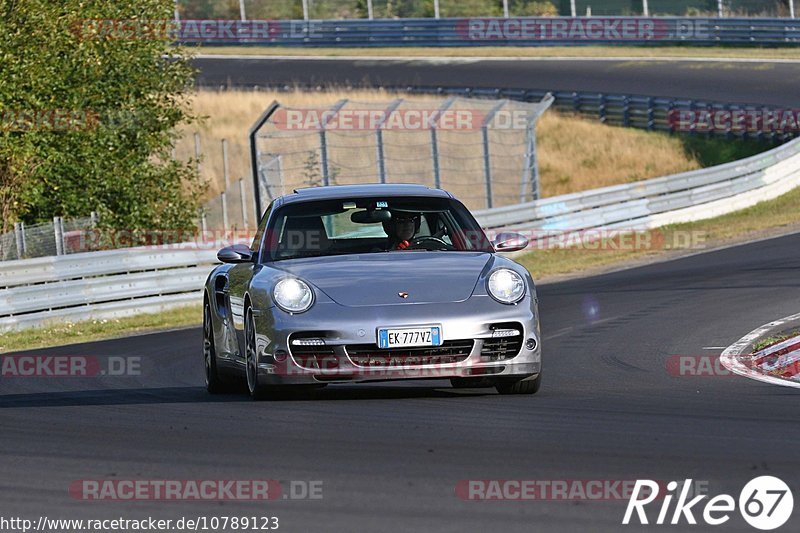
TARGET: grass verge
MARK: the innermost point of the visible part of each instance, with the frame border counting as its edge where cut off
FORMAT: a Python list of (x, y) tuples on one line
[(720, 52), (93, 330)]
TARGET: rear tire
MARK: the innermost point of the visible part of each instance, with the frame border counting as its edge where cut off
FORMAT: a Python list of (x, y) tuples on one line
[(525, 386), (214, 383)]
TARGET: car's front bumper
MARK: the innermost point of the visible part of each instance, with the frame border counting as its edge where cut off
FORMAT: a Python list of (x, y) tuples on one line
[(340, 327)]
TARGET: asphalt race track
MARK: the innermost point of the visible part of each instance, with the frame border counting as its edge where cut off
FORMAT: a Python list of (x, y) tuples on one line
[(391, 455), (749, 82)]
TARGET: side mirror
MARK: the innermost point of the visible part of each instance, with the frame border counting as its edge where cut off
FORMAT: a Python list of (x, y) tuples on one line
[(510, 242), (238, 253)]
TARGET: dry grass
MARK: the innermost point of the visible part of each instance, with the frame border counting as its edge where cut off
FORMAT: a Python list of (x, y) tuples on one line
[(577, 154), (574, 153)]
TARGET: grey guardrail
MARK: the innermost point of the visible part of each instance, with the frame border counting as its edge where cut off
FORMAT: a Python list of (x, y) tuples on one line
[(94, 285), (484, 31), (34, 292)]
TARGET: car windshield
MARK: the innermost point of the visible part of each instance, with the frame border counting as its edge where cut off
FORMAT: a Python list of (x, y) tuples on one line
[(372, 225)]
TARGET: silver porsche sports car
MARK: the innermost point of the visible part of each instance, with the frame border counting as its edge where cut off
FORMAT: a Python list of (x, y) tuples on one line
[(364, 283)]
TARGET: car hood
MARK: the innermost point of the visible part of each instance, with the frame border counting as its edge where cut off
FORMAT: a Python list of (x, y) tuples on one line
[(362, 280)]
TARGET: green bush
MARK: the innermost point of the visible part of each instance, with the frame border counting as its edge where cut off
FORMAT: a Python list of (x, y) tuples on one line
[(88, 111)]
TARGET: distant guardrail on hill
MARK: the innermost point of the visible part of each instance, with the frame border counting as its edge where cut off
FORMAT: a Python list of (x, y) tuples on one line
[(654, 113), (484, 31), (34, 292)]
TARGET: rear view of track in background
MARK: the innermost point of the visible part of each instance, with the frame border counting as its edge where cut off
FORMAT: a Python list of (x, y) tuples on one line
[(773, 84)]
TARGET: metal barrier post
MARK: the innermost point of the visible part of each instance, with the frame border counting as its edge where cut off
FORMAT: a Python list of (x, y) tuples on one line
[(197, 152), (645, 8), (505, 8), (534, 168), (437, 172), (487, 166), (323, 141), (530, 173), (244, 204), (19, 234), (487, 162), (242, 13), (626, 112), (225, 161), (223, 198), (381, 156), (58, 234), (601, 108), (253, 137)]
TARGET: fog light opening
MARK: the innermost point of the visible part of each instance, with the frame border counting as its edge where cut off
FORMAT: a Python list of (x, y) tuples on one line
[(531, 344), (281, 356)]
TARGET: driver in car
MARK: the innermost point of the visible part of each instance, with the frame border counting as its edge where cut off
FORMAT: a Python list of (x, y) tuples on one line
[(401, 229)]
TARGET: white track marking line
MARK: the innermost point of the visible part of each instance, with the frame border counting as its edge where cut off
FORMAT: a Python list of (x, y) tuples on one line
[(730, 357), (473, 59), (714, 347)]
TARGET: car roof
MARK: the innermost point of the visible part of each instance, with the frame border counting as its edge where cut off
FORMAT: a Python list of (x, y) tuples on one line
[(336, 192)]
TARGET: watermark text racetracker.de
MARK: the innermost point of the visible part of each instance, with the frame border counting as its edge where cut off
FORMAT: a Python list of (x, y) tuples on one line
[(580, 29), (554, 489), (412, 119), (596, 240), (251, 490), (69, 366), (741, 121), (697, 366)]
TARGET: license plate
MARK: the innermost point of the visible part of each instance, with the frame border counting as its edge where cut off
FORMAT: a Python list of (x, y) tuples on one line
[(408, 337)]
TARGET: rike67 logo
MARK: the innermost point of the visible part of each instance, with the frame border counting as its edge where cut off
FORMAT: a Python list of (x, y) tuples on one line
[(765, 503)]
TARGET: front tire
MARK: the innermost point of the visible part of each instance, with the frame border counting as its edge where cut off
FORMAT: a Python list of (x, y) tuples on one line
[(524, 386), (214, 383), (256, 390)]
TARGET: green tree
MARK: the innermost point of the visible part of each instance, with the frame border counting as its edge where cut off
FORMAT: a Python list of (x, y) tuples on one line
[(88, 111)]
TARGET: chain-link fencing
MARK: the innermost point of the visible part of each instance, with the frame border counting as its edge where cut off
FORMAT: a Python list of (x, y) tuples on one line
[(60, 237), (483, 151)]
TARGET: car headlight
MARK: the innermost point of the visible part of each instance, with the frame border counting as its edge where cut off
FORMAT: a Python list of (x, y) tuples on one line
[(506, 286), (293, 295)]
